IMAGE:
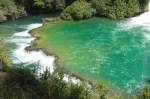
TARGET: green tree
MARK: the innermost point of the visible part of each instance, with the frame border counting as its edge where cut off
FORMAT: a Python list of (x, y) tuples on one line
[(133, 8), (9, 10), (100, 6), (50, 5), (80, 9), (119, 9)]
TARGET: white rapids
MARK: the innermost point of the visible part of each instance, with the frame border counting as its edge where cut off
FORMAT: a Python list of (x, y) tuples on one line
[(141, 20), (20, 55)]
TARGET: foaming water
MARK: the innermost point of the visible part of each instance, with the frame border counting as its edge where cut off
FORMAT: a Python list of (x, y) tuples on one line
[(142, 20), (139, 23), (23, 39)]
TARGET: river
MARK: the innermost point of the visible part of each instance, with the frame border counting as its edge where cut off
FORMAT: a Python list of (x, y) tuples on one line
[(117, 52)]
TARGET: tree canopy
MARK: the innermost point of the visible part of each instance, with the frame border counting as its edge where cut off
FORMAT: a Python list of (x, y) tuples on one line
[(8, 10), (78, 10), (72, 9)]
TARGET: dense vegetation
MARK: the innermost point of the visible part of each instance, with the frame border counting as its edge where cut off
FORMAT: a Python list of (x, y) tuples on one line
[(72, 9), (22, 83), (115, 9), (78, 10)]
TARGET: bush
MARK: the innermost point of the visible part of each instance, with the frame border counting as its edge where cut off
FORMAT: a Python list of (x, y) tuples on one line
[(5, 60), (22, 83), (57, 88), (117, 10), (80, 9)]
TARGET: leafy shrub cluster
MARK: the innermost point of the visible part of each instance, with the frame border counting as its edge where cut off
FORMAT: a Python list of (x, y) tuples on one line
[(114, 9), (22, 83), (72, 9)]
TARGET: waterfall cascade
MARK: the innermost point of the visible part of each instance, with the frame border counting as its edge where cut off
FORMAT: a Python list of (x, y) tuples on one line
[(20, 55), (141, 20)]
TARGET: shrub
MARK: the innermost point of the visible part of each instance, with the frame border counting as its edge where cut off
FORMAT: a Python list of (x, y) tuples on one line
[(21, 84), (5, 60)]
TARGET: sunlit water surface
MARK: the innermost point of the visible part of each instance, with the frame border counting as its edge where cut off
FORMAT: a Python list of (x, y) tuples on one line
[(113, 52)]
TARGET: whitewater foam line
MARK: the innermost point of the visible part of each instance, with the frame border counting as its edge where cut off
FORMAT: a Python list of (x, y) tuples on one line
[(20, 55), (23, 39)]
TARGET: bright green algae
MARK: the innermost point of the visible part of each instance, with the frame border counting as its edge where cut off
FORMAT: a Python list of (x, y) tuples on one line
[(101, 50)]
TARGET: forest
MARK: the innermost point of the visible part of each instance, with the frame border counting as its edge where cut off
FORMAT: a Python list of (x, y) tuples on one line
[(72, 9)]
